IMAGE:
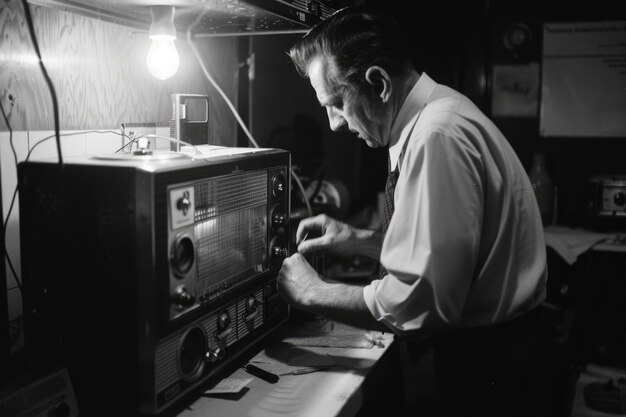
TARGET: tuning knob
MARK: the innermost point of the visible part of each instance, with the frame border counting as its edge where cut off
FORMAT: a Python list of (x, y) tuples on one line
[(184, 203), (183, 297), (223, 325), (278, 249), (250, 304), (223, 320), (279, 219), (214, 355), (251, 309), (278, 185)]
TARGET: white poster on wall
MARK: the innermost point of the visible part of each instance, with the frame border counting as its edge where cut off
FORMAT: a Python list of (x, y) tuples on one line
[(583, 80)]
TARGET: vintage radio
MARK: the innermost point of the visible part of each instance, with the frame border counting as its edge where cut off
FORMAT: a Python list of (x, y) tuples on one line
[(605, 203), (606, 195), (146, 276)]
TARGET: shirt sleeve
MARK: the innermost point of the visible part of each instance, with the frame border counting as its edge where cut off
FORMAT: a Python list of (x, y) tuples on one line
[(432, 242)]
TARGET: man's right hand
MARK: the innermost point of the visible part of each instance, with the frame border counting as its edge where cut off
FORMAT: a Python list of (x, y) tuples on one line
[(323, 233)]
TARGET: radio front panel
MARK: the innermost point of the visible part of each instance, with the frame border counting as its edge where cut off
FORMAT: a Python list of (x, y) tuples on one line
[(217, 237)]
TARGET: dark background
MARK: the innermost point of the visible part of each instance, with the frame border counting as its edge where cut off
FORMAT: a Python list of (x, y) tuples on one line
[(457, 43)]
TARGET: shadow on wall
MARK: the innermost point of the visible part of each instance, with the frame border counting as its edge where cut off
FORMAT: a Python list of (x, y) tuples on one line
[(305, 140)]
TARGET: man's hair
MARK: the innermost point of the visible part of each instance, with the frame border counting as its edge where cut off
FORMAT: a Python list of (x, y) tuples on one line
[(354, 39)]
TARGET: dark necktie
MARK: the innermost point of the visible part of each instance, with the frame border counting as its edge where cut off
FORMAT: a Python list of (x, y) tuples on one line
[(390, 185)]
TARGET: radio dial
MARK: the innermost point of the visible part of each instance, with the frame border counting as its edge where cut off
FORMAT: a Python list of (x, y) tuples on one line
[(619, 199)]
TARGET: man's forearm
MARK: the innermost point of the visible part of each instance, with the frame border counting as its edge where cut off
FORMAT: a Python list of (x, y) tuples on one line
[(343, 303)]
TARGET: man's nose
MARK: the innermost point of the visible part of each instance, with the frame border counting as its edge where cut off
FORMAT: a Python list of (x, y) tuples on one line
[(336, 120)]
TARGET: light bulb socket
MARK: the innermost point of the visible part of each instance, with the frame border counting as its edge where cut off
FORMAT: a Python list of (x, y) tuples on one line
[(162, 22)]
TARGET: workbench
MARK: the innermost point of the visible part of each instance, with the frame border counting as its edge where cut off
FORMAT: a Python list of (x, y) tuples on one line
[(313, 380)]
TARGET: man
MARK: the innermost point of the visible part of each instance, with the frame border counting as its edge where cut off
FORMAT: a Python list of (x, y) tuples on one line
[(463, 255)]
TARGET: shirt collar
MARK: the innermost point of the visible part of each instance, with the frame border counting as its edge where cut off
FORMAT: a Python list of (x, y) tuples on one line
[(408, 115)]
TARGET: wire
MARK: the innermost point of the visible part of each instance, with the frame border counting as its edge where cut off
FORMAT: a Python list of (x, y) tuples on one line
[(152, 135), (53, 94), (217, 87), (5, 222), (6, 253), (234, 110), (72, 134)]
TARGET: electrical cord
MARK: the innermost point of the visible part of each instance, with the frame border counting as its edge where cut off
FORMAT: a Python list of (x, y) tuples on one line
[(6, 220), (71, 134), (53, 94), (234, 110)]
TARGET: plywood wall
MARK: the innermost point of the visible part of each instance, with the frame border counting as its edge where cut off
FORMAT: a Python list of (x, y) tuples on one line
[(99, 73)]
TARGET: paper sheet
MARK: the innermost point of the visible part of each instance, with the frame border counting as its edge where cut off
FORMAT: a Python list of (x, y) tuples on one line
[(570, 243), (331, 334)]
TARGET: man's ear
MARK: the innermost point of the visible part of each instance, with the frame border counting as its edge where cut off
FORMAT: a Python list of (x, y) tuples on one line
[(378, 78)]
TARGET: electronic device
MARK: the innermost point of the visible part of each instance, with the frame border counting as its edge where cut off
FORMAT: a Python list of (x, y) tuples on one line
[(49, 395), (605, 203), (606, 195), (148, 275), (190, 120)]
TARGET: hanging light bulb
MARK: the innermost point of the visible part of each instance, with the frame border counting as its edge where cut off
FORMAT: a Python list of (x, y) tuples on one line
[(162, 59)]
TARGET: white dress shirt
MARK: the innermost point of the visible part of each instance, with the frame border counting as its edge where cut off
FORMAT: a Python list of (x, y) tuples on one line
[(465, 244)]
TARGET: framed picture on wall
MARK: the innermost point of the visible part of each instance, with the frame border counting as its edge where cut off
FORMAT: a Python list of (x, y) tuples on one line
[(583, 80)]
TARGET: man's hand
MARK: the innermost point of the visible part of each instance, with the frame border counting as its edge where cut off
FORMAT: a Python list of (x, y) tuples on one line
[(330, 235), (297, 281), (300, 285)]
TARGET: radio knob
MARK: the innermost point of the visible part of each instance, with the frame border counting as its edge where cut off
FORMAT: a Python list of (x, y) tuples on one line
[(223, 326), (278, 185), (184, 298), (279, 252), (223, 321), (279, 219), (250, 304), (251, 310), (213, 355), (184, 203), (619, 199)]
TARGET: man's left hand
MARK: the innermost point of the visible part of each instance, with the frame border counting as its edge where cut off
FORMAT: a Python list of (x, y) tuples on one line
[(298, 281)]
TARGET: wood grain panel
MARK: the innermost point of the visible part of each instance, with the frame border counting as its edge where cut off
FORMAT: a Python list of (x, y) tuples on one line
[(99, 72)]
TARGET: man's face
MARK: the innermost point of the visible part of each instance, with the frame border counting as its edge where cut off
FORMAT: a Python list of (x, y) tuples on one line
[(345, 108)]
